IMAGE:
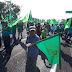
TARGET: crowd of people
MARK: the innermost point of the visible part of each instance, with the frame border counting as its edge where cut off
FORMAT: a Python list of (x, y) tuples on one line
[(46, 30), (35, 33)]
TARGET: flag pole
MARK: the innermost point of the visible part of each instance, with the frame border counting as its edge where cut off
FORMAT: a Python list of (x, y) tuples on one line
[(59, 52)]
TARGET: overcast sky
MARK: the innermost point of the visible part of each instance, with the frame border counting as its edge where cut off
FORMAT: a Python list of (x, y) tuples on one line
[(45, 9)]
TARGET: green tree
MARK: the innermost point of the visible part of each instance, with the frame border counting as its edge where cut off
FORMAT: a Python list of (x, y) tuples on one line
[(5, 8)]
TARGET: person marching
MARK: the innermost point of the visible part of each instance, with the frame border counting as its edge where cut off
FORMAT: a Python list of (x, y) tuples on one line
[(6, 37), (44, 32), (32, 50), (20, 30)]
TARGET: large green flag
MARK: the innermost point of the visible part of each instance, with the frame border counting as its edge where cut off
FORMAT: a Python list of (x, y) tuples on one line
[(10, 15), (68, 23), (51, 48)]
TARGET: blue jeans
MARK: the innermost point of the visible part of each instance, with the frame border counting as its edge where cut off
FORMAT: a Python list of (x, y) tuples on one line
[(31, 64)]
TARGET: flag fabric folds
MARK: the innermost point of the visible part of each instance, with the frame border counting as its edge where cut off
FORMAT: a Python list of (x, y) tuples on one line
[(10, 15), (51, 48), (2, 16), (68, 24)]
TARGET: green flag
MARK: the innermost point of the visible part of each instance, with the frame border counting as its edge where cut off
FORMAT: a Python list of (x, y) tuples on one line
[(25, 19), (51, 48), (10, 15), (6, 19), (55, 21), (2, 16), (51, 22), (14, 22), (68, 24), (11, 23), (65, 22), (30, 17)]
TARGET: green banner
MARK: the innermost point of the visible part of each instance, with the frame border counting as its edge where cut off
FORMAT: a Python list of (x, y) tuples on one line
[(51, 48)]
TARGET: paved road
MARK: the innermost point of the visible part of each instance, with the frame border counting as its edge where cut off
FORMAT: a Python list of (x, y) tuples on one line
[(17, 61)]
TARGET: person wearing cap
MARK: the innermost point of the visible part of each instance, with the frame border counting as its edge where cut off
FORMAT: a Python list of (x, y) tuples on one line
[(32, 50), (31, 24), (6, 31)]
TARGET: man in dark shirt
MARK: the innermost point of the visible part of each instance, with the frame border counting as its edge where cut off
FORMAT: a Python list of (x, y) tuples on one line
[(6, 37), (38, 28)]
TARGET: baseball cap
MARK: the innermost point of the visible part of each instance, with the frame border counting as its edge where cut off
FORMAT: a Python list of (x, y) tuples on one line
[(32, 28)]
